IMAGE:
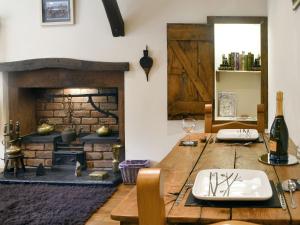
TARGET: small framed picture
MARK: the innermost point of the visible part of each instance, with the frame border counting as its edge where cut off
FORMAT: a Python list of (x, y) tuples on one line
[(57, 12), (296, 3), (227, 104)]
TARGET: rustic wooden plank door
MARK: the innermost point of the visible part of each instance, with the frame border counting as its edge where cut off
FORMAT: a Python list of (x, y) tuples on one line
[(190, 69)]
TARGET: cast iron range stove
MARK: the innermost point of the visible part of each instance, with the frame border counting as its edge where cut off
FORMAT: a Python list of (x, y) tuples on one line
[(66, 155)]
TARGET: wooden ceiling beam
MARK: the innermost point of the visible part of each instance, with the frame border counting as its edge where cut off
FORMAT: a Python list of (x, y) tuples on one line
[(114, 16)]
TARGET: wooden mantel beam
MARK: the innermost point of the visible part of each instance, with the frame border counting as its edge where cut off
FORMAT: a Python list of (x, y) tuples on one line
[(114, 16), (62, 63)]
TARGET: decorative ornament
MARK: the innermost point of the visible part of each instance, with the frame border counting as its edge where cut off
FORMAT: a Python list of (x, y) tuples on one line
[(146, 62)]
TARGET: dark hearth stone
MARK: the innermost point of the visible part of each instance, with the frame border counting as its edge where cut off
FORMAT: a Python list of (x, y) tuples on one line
[(36, 138), (40, 170), (60, 176), (94, 138)]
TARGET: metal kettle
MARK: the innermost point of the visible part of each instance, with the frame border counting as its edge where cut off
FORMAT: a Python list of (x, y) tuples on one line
[(69, 134)]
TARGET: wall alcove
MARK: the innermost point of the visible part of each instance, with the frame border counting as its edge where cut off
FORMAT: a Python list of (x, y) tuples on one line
[(192, 69)]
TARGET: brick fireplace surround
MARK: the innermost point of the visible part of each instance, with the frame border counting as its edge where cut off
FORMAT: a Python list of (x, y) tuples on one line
[(29, 83)]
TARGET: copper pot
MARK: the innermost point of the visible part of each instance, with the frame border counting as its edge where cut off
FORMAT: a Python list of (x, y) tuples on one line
[(45, 128), (103, 131)]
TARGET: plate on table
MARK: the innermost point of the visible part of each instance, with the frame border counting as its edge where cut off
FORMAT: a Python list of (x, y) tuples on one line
[(237, 134), (232, 185)]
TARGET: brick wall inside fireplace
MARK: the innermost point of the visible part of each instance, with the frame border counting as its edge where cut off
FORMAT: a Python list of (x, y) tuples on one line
[(55, 109)]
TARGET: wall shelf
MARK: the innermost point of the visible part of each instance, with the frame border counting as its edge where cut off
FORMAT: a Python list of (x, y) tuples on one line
[(218, 72), (236, 118)]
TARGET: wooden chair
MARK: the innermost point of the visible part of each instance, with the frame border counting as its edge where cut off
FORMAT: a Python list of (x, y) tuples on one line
[(151, 207), (214, 128), (233, 222)]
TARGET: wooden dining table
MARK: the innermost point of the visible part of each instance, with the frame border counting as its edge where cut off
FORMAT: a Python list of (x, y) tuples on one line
[(183, 163)]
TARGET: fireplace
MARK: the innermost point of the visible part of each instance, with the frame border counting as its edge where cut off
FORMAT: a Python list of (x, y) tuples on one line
[(67, 93)]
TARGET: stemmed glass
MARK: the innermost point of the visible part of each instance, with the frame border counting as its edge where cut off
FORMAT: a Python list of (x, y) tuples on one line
[(188, 125)]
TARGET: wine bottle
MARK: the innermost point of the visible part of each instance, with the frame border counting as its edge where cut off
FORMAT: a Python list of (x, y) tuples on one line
[(279, 135)]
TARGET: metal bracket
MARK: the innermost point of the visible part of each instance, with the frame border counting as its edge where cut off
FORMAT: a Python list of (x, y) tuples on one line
[(102, 111)]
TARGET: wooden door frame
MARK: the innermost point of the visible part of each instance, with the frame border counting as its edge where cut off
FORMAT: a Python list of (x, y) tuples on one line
[(263, 21)]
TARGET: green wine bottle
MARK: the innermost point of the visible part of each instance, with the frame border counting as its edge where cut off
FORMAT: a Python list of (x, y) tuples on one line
[(279, 135)]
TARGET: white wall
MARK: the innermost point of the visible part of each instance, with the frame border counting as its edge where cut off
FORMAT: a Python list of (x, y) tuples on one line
[(284, 62), (148, 133)]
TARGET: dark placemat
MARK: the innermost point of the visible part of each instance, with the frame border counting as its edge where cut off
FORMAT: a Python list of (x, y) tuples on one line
[(270, 203), (182, 143)]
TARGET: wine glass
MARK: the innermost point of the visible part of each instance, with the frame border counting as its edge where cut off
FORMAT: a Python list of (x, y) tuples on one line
[(188, 125)]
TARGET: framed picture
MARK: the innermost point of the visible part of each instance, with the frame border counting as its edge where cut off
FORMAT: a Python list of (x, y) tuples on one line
[(296, 3), (57, 12), (227, 104)]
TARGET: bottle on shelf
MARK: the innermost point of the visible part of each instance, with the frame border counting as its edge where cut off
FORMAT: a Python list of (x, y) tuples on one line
[(279, 135), (240, 62), (250, 60)]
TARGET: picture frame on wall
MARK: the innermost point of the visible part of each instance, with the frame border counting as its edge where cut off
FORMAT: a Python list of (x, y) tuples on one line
[(57, 12), (227, 104), (296, 4)]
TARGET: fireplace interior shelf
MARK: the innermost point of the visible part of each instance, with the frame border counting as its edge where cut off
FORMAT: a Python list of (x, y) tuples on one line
[(36, 138), (94, 138)]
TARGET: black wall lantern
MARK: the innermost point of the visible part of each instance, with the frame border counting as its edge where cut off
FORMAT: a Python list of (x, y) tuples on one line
[(146, 62)]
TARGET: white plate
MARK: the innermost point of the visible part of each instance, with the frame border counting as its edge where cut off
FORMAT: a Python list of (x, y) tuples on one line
[(233, 185), (237, 134)]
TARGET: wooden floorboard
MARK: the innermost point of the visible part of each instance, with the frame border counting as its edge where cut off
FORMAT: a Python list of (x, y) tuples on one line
[(102, 216)]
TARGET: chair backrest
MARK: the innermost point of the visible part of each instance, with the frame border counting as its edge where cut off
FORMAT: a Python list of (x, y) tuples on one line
[(210, 127), (151, 207), (234, 222)]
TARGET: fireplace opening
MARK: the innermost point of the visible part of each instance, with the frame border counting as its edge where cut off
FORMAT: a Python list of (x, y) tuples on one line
[(82, 110)]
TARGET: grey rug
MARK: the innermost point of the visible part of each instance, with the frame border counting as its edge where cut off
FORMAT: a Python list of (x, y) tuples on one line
[(35, 204)]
